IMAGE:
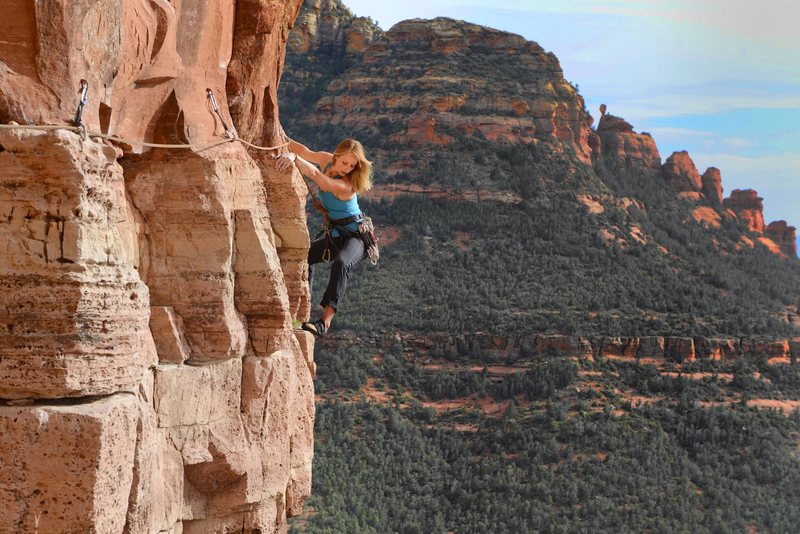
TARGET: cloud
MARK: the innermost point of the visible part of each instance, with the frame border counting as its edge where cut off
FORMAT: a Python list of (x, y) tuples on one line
[(770, 21), (704, 140), (675, 105), (778, 172)]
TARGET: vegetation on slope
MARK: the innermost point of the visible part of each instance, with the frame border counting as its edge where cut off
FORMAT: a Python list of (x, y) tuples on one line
[(455, 441)]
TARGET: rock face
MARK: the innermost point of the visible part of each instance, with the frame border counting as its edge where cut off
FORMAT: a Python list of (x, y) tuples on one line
[(748, 207), (76, 311), (712, 186), (784, 235), (150, 378), (679, 171), (497, 349), (544, 107), (624, 151), (328, 23), (434, 82)]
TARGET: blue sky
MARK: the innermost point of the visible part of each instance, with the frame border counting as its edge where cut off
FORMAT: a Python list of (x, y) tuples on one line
[(719, 78)]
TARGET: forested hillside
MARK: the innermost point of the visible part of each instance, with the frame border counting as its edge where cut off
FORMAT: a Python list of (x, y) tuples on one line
[(565, 332), (503, 210)]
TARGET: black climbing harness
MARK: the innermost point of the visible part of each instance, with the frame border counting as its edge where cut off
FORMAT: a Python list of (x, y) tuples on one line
[(366, 230)]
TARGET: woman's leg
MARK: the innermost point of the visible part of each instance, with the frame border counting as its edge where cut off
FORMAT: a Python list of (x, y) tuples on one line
[(317, 250), (351, 253)]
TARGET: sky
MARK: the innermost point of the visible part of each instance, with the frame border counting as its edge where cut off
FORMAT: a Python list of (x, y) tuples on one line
[(718, 78)]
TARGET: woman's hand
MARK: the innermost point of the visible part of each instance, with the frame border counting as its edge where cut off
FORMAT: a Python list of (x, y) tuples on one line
[(285, 161)]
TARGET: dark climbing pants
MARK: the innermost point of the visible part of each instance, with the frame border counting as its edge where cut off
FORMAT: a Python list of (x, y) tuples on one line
[(346, 251)]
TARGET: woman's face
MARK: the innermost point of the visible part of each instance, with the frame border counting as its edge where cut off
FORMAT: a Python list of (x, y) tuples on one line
[(345, 163)]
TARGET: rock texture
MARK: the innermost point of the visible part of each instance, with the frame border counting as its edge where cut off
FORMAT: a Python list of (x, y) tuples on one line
[(712, 186), (432, 83), (679, 171), (748, 207), (498, 349), (784, 235), (150, 378), (624, 151), (329, 23), (75, 311)]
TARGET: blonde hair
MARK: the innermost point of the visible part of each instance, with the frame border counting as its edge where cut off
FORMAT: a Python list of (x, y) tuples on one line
[(361, 175)]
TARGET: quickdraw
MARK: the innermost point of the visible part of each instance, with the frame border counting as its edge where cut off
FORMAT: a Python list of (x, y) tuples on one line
[(84, 92), (80, 128), (230, 133)]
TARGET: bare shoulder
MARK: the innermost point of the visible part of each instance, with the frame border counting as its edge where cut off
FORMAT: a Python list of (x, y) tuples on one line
[(321, 158)]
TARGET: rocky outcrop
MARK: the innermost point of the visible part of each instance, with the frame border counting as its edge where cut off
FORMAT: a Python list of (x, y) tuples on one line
[(150, 378), (676, 349), (544, 106), (712, 186), (330, 24), (748, 207), (75, 308), (624, 151), (440, 89), (784, 235), (679, 171)]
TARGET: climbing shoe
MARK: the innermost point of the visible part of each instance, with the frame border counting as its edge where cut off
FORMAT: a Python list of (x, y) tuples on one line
[(316, 327)]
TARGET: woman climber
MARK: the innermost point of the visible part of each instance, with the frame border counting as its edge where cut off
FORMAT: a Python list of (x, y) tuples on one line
[(344, 175)]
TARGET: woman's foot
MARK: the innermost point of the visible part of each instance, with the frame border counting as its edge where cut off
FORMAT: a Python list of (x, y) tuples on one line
[(317, 327)]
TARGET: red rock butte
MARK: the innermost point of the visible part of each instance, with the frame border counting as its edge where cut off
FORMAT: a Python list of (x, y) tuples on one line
[(712, 186), (626, 151), (784, 235), (748, 207), (679, 170), (436, 94), (150, 377)]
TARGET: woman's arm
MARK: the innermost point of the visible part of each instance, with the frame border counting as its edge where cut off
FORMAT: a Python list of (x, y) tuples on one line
[(339, 188), (320, 158)]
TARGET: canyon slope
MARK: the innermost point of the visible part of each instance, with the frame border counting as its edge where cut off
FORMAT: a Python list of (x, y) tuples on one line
[(150, 376), (465, 119), (567, 330)]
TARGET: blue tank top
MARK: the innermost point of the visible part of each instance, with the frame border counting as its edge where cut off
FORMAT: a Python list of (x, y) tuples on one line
[(340, 209)]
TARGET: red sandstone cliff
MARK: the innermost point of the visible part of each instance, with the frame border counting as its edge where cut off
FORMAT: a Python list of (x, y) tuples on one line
[(329, 23), (496, 349), (712, 186), (425, 83), (679, 171), (623, 150), (784, 235), (431, 89), (748, 207), (150, 378)]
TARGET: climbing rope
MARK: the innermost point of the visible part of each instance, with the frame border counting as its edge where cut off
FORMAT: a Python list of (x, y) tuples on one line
[(230, 132), (114, 138)]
